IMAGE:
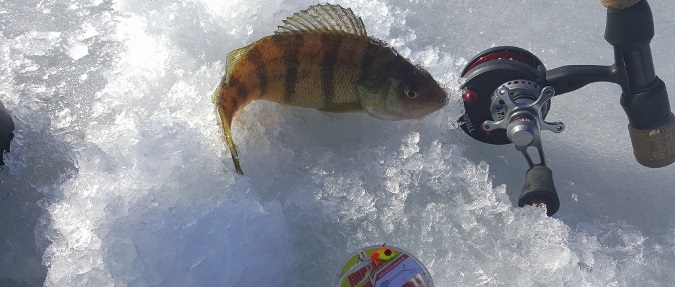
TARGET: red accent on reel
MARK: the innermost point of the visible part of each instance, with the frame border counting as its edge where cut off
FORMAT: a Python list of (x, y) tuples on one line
[(503, 56), (522, 117), (470, 96)]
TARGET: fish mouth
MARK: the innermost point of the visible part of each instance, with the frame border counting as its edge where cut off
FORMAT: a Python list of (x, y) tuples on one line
[(442, 101), (437, 105), (430, 108)]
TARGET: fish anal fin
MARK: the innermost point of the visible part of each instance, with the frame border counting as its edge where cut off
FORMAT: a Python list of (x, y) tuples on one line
[(228, 138), (324, 18)]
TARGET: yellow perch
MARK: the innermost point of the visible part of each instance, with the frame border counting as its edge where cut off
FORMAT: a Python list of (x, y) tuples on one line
[(322, 58)]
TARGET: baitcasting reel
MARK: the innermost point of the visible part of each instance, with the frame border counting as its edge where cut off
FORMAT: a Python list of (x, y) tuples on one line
[(508, 90), (506, 98)]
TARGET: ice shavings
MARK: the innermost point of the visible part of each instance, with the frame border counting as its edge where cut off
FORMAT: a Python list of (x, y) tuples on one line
[(118, 175), (76, 50)]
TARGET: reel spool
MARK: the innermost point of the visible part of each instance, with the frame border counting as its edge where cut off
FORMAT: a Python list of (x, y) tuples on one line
[(484, 74)]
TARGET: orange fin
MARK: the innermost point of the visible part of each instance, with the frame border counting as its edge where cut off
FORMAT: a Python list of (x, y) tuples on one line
[(228, 138)]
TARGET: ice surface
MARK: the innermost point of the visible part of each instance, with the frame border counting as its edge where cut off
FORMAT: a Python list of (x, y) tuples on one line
[(118, 177)]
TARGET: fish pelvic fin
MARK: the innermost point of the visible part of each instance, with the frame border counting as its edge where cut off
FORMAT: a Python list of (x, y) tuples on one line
[(225, 122)]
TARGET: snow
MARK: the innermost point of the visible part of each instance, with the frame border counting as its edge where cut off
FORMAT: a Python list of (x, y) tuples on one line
[(118, 176)]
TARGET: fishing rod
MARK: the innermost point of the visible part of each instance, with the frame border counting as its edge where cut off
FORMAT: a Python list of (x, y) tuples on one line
[(6, 129), (507, 95)]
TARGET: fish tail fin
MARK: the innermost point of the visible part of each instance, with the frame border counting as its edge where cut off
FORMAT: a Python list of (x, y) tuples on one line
[(226, 110), (230, 97), (225, 118)]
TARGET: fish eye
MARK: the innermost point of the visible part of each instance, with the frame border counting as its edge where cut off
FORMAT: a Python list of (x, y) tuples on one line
[(411, 92)]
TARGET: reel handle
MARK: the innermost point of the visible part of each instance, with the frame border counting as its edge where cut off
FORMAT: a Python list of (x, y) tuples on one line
[(539, 189), (630, 29)]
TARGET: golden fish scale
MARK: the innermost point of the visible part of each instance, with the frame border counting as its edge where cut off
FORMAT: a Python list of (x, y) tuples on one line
[(311, 70)]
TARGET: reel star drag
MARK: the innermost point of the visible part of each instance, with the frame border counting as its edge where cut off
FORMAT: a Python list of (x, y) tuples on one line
[(508, 91)]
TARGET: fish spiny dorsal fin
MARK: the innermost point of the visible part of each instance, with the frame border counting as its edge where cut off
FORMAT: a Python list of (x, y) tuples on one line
[(234, 57), (324, 18)]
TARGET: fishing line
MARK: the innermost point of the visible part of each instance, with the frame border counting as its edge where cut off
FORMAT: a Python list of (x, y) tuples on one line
[(531, 27)]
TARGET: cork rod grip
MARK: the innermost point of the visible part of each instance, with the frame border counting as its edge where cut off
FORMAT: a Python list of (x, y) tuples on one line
[(618, 4), (656, 147)]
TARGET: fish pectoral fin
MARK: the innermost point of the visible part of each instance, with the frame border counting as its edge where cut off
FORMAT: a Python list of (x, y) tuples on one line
[(343, 108), (228, 138), (371, 86)]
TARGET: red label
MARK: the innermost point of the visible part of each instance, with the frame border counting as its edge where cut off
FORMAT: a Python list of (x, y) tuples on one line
[(358, 276), (392, 266)]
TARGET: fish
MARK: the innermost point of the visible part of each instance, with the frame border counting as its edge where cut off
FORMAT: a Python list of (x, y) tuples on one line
[(323, 58)]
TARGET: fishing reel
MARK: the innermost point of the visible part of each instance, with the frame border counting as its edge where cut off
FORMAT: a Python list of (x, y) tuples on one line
[(507, 95), (506, 100)]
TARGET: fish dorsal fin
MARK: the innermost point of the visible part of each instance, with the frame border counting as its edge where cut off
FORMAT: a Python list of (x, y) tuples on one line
[(234, 57), (324, 18)]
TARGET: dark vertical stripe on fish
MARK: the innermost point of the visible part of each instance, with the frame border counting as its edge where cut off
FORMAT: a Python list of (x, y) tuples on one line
[(331, 44), (369, 56), (290, 45), (242, 92), (259, 66)]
